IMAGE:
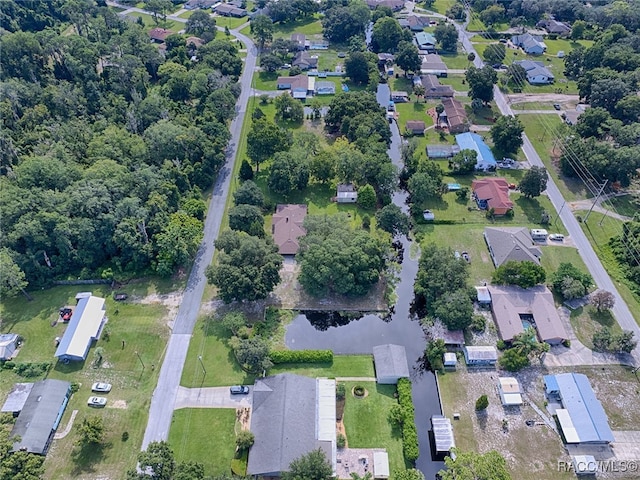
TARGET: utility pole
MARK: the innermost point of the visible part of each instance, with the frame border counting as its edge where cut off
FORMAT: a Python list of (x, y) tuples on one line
[(595, 201), (559, 212), (140, 358), (202, 365)]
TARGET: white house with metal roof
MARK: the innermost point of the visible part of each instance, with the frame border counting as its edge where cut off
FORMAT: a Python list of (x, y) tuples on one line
[(537, 73), (391, 363), (85, 327)]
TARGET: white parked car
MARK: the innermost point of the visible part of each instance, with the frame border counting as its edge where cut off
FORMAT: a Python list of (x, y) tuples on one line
[(558, 237), (97, 401), (101, 387)]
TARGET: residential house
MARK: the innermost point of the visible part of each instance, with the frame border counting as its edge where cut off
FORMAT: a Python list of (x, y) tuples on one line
[(399, 97), (432, 64), (202, 4), (454, 116), (510, 243), (531, 44), (415, 23), (394, 5), (554, 27), (17, 398), (346, 193), (582, 418), (194, 42), (537, 73), (485, 160), (390, 363), (416, 127), (426, 42), (515, 309), (325, 87), (305, 61), (480, 355), (509, 390), (8, 345), (570, 117), (159, 35), (40, 415), (385, 59), (287, 227), (300, 40), (433, 88), (300, 86), (493, 194), (84, 328), (292, 415), (229, 10)]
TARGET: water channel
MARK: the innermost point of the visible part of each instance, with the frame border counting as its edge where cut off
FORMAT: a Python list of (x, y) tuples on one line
[(359, 336)]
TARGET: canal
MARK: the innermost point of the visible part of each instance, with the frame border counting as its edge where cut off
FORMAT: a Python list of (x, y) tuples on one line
[(361, 335)]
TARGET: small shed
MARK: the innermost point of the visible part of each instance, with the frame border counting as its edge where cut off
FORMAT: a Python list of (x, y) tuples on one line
[(483, 296), (551, 385), (442, 433), (8, 345), (453, 338), (380, 465), (17, 398), (346, 193), (584, 464), (481, 355), (390, 363), (509, 390), (450, 360)]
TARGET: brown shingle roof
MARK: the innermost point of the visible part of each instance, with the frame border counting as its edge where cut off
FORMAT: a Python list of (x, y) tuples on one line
[(286, 227), (159, 34), (456, 115), (496, 193)]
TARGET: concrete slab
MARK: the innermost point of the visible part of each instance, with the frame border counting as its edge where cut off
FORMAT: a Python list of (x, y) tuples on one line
[(211, 397)]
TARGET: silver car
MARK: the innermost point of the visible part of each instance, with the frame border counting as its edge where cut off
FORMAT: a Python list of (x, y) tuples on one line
[(97, 401), (101, 387)]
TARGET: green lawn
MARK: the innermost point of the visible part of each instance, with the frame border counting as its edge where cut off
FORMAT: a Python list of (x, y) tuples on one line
[(456, 62), (142, 328), (622, 205), (585, 321), (458, 82), (342, 366), (366, 424), (307, 26), (150, 23), (204, 435), (187, 14), (553, 256), (439, 6), (599, 230), (452, 390), (531, 106), (230, 22), (477, 25), (542, 130)]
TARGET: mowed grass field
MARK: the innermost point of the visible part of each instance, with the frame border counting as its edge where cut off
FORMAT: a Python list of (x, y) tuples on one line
[(141, 327)]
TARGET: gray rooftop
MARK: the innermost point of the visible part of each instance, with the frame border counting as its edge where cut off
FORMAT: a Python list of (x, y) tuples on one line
[(17, 397), (511, 243), (390, 361), (40, 416), (534, 68), (587, 415), (284, 423), (443, 433)]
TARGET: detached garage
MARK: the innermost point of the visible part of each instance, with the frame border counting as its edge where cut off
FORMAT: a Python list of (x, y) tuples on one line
[(8, 345), (390, 363), (85, 327)]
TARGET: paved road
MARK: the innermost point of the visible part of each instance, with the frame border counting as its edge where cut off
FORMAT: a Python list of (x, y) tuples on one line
[(211, 397), (597, 271), (164, 396)]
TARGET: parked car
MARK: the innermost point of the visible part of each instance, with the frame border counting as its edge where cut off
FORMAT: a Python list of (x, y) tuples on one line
[(341, 54), (101, 387), (503, 40), (97, 401), (558, 237), (239, 390), (557, 106), (466, 257)]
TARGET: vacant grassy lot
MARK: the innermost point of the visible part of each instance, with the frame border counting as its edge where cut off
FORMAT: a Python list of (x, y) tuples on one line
[(439, 6), (532, 106), (142, 328), (622, 205), (599, 230), (456, 61), (585, 321), (456, 81), (342, 366), (366, 424), (553, 256), (308, 26), (204, 435), (230, 22), (150, 23)]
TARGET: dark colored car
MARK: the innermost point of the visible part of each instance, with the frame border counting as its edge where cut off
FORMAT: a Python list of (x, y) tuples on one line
[(557, 106), (239, 390)]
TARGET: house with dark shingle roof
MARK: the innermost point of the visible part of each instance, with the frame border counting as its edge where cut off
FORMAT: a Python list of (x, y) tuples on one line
[(537, 73), (511, 243), (454, 116), (40, 415), (229, 10), (287, 227), (159, 35), (391, 363), (554, 26), (416, 127), (415, 23), (531, 44), (305, 61), (432, 87), (292, 415), (300, 40)]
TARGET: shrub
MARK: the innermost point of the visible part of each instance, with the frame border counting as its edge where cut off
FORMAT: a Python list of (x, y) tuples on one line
[(482, 403), (396, 415), (75, 386), (341, 441), (567, 343), (366, 222), (501, 345), (410, 445), (32, 369), (8, 365), (245, 439), (478, 323), (125, 436), (301, 356), (246, 172), (512, 360), (341, 391)]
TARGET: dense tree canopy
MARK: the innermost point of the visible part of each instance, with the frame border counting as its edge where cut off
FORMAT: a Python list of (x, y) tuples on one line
[(312, 466), (475, 466), (524, 274), (335, 258), (439, 272), (481, 82), (341, 23), (506, 134), (534, 182)]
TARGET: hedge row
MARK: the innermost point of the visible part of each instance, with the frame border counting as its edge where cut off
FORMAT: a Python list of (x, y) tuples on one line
[(27, 369), (409, 431), (301, 356)]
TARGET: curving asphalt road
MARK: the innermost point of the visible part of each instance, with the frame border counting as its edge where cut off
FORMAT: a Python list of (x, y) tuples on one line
[(600, 276)]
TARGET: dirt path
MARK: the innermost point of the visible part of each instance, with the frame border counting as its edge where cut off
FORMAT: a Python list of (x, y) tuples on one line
[(543, 97), (67, 429)]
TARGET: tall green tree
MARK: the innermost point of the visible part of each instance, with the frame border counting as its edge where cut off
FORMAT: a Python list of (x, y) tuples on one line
[(534, 182), (357, 68), (454, 309), (387, 34), (262, 29), (475, 466), (265, 139), (506, 134), (391, 219), (439, 272), (12, 278), (178, 242), (247, 218), (312, 466), (523, 274), (481, 82), (407, 57), (202, 25), (447, 36)]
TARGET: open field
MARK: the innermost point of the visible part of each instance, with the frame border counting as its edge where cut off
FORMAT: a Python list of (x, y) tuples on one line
[(150, 23), (230, 22), (204, 435), (586, 321), (456, 61), (622, 205), (458, 82), (342, 366), (142, 328), (531, 106), (366, 423), (599, 230), (308, 26), (553, 256), (439, 6)]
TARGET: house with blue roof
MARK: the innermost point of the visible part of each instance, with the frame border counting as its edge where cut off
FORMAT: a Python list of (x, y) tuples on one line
[(582, 417), (86, 324), (426, 41), (472, 141)]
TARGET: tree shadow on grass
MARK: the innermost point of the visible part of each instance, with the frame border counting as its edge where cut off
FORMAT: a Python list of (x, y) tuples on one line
[(604, 319), (86, 457), (531, 208)]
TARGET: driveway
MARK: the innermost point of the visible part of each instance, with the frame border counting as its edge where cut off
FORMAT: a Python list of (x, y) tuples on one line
[(212, 397)]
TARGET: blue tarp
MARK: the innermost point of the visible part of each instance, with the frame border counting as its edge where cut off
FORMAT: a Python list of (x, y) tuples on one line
[(550, 382), (473, 141)]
